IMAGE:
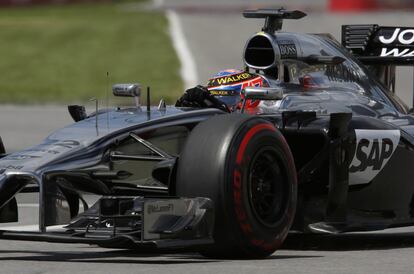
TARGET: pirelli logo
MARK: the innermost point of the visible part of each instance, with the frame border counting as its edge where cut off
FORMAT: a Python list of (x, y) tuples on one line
[(231, 79)]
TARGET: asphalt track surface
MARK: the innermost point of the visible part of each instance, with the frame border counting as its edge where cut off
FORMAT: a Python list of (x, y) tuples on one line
[(216, 38)]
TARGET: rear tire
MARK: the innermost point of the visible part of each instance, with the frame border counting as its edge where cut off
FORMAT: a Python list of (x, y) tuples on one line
[(245, 166)]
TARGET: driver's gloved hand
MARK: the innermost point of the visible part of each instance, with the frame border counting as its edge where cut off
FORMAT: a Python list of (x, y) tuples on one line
[(199, 97)]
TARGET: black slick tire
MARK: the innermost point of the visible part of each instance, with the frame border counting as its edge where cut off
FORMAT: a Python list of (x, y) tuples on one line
[(245, 166)]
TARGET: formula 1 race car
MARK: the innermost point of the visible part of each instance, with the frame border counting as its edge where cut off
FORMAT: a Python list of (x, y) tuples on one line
[(327, 150)]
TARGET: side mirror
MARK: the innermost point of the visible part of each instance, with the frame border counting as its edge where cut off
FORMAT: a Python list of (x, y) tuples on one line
[(127, 90), (263, 93)]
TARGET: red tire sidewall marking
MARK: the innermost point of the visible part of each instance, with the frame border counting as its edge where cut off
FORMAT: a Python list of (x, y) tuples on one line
[(248, 137), (241, 215)]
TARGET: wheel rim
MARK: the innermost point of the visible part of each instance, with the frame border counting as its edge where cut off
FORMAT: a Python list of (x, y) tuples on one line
[(267, 187)]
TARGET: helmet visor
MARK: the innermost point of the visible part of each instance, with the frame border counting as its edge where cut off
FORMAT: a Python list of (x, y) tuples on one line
[(230, 97)]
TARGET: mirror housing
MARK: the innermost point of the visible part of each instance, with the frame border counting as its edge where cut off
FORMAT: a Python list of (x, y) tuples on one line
[(263, 93), (127, 90)]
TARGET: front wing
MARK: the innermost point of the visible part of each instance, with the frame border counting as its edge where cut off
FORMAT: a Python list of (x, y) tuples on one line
[(135, 222)]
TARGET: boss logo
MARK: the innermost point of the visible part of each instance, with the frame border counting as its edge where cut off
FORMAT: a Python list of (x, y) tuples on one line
[(372, 151), (287, 49)]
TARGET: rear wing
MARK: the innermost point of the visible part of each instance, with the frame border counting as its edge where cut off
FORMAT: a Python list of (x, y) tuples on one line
[(381, 49), (376, 45)]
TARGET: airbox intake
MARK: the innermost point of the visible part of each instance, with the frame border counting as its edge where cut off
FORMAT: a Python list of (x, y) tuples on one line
[(260, 52)]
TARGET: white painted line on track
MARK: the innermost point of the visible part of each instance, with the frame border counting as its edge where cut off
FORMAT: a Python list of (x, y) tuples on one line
[(28, 205), (188, 69)]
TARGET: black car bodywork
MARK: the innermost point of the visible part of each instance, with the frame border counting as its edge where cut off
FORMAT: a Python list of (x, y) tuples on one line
[(351, 138)]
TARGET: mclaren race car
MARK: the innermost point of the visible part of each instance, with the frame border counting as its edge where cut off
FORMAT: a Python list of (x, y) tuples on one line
[(328, 149)]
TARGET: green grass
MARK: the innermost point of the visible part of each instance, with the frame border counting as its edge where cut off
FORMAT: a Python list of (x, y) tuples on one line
[(63, 53)]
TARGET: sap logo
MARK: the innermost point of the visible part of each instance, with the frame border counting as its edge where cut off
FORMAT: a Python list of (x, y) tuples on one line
[(405, 37), (372, 153), (373, 150)]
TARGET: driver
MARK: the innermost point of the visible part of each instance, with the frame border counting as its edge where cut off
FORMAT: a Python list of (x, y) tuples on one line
[(223, 91)]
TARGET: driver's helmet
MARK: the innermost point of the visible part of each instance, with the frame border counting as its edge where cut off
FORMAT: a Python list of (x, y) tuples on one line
[(227, 85)]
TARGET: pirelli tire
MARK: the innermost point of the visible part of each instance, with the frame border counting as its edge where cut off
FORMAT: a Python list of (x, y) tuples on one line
[(245, 166)]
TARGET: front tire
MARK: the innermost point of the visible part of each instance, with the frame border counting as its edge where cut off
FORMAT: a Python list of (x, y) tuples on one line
[(245, 166)]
